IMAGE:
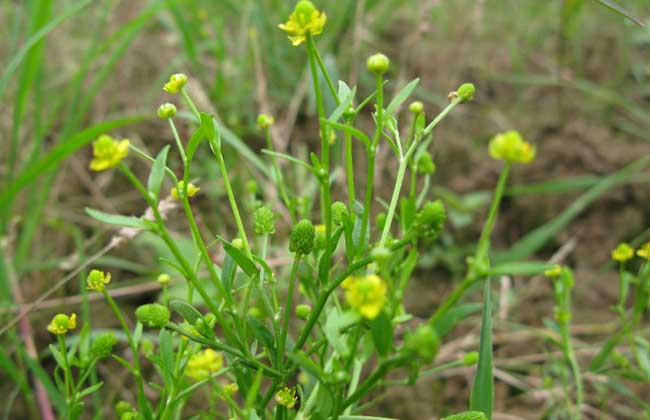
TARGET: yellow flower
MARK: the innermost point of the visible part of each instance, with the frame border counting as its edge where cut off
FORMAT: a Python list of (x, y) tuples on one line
[(511, 147), (203, 364), (644, 251), (175, 83), (97, 280), (191, 190), (108, 152), (286, 397), (366, 294), (62, 323), (554, 271), (622, 252), (305, 19)]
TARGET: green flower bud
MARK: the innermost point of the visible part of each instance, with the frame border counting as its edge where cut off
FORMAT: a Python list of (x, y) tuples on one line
[(416, 107), (102, 346), (166, 110), (175, 83), (378, 64), (153, 315), (210, 319), (264, 221), (467, 415), (465, 92), (303, 311), (339, 211), (265, 121), (146, 347), (301, 239), (425, 165), (238, 243), (163, 279), (339, 377), (430, 220), (471, 358), (349, 113), (123, 407), (424, 342), (380, 254)]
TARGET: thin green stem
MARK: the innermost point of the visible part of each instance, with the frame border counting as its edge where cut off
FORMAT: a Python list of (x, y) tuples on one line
[(484, 241), (190, 103), (279, 179), (325, 73), (393, 201), (179, 143), (287, 309), (349, 160), (372, 380), (67, 374)]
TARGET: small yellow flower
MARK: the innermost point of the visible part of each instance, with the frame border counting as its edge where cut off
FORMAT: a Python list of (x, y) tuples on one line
[(644, 251), (97, 280), (265, 121), (365, 294), (554, 271), (191, 190), (622, 252), (108, 152), (230, 389), (511, 147), (62, 323), (203, 364), (305, 19), (175, 83), (286, 397)]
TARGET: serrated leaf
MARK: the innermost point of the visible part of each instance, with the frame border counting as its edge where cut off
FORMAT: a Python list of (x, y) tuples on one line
[(157, 173)]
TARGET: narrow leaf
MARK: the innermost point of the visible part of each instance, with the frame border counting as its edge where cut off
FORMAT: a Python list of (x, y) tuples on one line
[(117, 219), (157, 172), (482, 397), (401, 96)]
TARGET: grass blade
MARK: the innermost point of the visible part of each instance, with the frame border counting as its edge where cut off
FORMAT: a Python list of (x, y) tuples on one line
[(619, 9)]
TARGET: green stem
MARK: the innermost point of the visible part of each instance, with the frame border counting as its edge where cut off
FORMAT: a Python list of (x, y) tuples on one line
[(67, 374), (190, 103), (370, 382), (324, 176), (279, 179), (372, 149), (484, 241), (287, 309), (393, 201), (325, 73), (349, 159), (179, 143)]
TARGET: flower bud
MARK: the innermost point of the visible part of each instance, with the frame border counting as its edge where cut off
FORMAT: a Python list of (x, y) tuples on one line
[(265, 121), (123, 407), (303, 311), (623, 252), (191, 190), (264, 221), (466, 92), (166, 110), (153, 315), (175, 83), (349, 113), (380, 254), (301, 239), (416, 107), (424, 342), (378, 63), (319, 242), (339, 211), (238, 243), (62, 323), (163, 279), (471, 358), (103, 345)]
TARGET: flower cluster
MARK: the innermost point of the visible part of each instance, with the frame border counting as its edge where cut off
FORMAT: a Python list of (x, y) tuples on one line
[(366, 294), (108, 152), (62, 323), (97, 280), (305, 19), (191, 190), (511, 147), (203, 364), (286, 397)]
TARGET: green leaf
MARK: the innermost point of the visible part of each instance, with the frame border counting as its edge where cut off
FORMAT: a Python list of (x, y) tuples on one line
[(184, 309), (336, 114), (246, 264), (90, 390), (467, 415), (401, 96), (337, 321), (382, 333), (449, 320), (619, 9), (482, 397), (117, 219), (157, 173), (262, 334), (522, 268), (166, 356)]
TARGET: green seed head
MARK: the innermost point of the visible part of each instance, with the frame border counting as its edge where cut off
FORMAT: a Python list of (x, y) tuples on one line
[(430, 220), (301, 239), (339, 211), (153, 315), (303, 311), (264, 221), (471, 358), (103, 345), (378, 64), (424, 342), (425, 165), (166, 111)]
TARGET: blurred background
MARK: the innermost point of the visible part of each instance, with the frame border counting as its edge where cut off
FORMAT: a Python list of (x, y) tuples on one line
[(572, 76)]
